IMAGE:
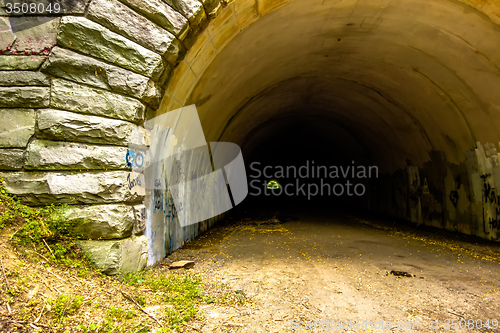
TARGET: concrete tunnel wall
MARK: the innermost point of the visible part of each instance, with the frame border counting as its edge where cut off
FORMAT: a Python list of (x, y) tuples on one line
[(409, 86)]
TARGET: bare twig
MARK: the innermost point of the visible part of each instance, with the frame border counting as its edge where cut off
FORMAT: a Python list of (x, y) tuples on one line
[(41, 312), (47, 260), (3, 271), (18, 323), (57, 276), (48, 247), (128, 297), (12, 236), (8, 307), (64, 312)]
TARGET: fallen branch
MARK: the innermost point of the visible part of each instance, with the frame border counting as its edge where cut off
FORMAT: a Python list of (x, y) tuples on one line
[(128, 297), (57, 276), (64, 312), (3, 271), (41, 312), (14, 234), (48, 247), (47, 260), (18, 323)]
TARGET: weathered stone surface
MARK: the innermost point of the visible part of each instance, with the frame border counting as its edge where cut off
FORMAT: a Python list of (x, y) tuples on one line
[(11, 159), (82, 69), (140, 220), (23, 78), (123, 20), (165, 77), (56, 155), (105, 255), (153, 95), (162, 14), (70, 126), (191, 9), (16, 127), (24, 97), (11, 63), (134, 254), (41, 188), (71, 96), (28, 34), (115, 256), (211, 7), (182, 264), (98, 221), (65, 6), (85, 36)]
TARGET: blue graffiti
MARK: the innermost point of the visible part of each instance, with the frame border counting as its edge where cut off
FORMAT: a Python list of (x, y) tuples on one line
[(133, 157), (130, 158), (139, 159)]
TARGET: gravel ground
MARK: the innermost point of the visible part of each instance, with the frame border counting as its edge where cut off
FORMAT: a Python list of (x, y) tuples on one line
[(295, 270)]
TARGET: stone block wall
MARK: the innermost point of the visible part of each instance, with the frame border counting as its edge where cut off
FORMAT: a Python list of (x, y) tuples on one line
[(73, 87)]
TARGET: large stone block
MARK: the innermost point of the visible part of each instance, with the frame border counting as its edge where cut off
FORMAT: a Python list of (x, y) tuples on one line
[(117, 256), (134, 254), (191, 9), (23, 63), (23, 78), (105, 255), (16, 127), (212, 7), (98, 221), (71, 96), (42, 188), (70, 126), (28, 34), (11, 159), (140, 220), (56, 155), (124, 21), (82, 69), (85, 36), (162, 14), (24, 97)]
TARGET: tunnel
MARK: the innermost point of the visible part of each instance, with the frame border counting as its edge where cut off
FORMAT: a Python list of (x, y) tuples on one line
[(408, 87), (365, 134), (408, 90)]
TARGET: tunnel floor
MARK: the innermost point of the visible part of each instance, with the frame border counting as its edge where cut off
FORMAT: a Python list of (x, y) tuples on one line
[(300, 268)]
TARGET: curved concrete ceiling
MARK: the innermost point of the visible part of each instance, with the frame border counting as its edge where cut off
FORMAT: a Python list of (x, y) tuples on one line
[(392, 79)]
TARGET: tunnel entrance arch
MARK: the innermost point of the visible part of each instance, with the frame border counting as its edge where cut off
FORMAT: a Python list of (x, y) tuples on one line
[(410, 86)]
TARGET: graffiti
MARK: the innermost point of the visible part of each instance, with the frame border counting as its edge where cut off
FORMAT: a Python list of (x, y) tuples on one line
[(158, 203), (490, 197), (134, 158), (158, 196), (134, 181), (454, 198), (489, 194)]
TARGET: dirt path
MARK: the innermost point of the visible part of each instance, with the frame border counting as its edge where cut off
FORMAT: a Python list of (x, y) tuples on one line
[(322, 267)]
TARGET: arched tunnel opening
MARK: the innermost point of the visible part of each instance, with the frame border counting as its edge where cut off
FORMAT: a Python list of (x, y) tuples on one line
[(403, 87), (367, 131)]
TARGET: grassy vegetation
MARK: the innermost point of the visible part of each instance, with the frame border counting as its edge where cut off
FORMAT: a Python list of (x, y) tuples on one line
[(39, 231), (183, 293), (41, 235)]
